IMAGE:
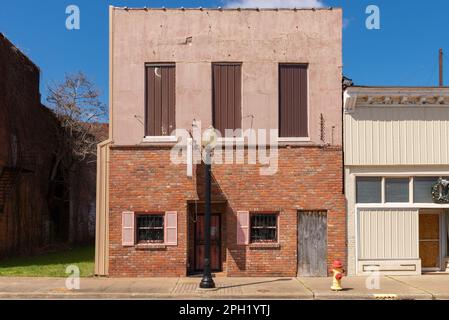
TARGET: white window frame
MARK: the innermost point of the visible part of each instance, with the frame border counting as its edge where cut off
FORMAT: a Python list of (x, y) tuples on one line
[(399, 205), (160, 139)]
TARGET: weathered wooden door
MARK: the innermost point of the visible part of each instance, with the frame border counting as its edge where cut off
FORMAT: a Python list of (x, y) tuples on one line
[(312, 244), (429, 240), (215, 236)]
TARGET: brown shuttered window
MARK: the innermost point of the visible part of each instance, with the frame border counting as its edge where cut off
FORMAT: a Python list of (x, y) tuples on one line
[(160, 100), (227, 96), (293, 114)]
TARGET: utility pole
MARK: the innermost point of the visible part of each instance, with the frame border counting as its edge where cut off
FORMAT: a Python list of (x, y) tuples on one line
[(441, 68)]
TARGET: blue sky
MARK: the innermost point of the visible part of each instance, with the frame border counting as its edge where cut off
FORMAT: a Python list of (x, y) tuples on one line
[(403, 52)]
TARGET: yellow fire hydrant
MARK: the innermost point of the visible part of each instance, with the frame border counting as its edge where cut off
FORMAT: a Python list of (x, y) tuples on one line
[(337, 269)]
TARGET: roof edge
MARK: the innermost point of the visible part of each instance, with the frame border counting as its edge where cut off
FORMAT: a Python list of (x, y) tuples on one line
[(18, 51), (224, 9)]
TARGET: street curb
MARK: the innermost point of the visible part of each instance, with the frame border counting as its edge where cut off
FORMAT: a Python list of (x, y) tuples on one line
[(116, 296), (325, 296), (145, 296)]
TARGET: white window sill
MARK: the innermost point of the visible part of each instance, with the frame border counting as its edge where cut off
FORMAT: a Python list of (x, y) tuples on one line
[(227, 141), (160, 139), (286, 140)]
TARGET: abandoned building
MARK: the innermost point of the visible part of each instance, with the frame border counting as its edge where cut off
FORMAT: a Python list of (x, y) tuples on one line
[(231, 69), (33, 210)]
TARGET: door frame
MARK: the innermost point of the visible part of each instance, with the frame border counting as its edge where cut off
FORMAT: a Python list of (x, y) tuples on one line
[(219, 245), (442, 237)]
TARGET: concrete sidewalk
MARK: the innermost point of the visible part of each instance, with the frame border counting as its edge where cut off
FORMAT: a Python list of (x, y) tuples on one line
[(423, 287)]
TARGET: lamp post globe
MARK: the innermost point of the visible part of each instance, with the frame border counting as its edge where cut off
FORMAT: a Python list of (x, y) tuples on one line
[(209, 138)]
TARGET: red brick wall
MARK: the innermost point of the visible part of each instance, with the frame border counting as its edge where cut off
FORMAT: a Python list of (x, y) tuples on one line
[(145, 180)]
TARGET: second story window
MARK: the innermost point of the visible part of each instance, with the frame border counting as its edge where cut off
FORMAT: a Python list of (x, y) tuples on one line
[(160, 100), (293, 101), (227, 96)]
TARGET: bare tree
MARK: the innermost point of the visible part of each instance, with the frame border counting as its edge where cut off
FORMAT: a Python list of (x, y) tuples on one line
[(79, 111), (77, 106)]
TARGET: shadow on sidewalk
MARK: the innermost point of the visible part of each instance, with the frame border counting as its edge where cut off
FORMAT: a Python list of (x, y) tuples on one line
[(254, 283)]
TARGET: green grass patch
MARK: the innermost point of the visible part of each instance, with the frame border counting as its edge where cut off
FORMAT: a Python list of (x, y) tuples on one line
[(51, 264)]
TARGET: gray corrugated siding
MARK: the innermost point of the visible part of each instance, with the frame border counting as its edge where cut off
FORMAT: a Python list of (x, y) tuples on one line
[(293, 121), (160, 100), (227, 96)]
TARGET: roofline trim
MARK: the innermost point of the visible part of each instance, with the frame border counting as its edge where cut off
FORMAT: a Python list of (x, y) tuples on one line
[(224, 9)]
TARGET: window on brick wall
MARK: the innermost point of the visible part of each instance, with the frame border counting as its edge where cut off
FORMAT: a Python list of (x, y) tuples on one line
[(150, 228), (264, 228)]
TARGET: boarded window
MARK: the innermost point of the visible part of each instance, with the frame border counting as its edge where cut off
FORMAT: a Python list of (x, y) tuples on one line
[(160, 100), (226, 96), (293, 114)]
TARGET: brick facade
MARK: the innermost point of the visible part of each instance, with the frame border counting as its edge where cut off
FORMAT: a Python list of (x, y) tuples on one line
[(142, 179), (27, 144)]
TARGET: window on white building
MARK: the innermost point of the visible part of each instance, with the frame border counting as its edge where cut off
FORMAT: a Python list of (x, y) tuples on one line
[(422, 189), (369, 190), (397, 190)]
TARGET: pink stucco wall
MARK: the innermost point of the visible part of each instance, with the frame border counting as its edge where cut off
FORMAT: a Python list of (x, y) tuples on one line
[(259, 39)]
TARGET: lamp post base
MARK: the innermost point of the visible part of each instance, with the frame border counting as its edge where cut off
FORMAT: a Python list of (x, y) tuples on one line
[(207, 283)]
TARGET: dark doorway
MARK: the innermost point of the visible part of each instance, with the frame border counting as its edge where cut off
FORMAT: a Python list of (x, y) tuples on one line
[(312, 244), (215, 243)]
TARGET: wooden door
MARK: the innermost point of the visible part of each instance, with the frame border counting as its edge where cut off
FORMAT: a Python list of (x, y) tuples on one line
[(312, 244), (215, 234), (429, 240)]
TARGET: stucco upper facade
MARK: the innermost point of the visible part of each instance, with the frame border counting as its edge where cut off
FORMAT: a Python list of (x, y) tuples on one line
[(193, 39)]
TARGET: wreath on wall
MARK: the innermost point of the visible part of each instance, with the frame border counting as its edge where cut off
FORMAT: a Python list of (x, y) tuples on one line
[(440, 191)]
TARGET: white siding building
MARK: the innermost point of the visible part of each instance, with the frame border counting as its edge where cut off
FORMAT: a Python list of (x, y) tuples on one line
[(396, 168)]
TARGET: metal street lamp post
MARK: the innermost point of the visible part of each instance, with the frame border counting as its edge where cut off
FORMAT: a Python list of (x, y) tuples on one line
[(209, 140)]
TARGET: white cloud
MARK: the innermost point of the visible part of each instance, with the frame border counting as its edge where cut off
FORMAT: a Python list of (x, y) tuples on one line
[(274, 4)]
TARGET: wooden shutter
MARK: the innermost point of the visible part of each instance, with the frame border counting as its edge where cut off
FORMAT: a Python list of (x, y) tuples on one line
[(242, 227), (171, 228), (160, 100), (293, 96), (128, 228), (227, 96)]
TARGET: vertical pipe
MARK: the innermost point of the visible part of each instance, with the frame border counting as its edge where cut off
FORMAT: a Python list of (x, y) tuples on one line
[(441, 68)]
